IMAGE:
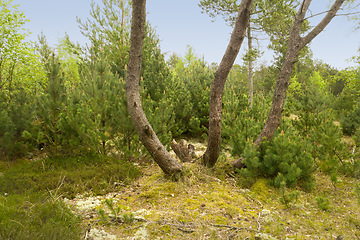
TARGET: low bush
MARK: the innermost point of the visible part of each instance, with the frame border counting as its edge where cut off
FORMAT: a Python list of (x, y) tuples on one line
[(351, 121), (285, 160)]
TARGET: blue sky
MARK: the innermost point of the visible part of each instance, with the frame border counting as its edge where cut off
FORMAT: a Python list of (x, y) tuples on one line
[(181, 23)]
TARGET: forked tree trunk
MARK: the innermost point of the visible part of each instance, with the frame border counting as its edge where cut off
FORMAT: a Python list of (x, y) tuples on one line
[(217, 87), (295, 44), (147, 135)]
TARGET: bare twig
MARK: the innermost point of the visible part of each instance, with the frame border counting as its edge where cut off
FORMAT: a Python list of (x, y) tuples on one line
[(338, 156), (258, 222), (317, 14), (347, 14), (234, 227)]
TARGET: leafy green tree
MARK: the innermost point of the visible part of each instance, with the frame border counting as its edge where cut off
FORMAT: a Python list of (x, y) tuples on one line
[(194, 77), (20, 78), (109, 29), (52, 104)]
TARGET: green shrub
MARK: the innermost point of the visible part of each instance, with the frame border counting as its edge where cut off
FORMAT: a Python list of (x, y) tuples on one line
[(16, 117), (316, 124), (285, 159), (357, 137), (241, 123), (351, 121), (193, 78), (288, 197), (37, 217), (248, 176)]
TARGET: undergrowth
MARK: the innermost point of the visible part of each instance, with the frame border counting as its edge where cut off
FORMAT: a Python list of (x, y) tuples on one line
[(38, 217), (68, 176)]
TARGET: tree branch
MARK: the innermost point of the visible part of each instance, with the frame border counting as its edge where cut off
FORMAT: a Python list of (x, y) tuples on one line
[(317, 14), (341, 14), (324, 22)]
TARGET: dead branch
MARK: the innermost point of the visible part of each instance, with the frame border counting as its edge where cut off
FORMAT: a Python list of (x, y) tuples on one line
[(182, 150), (258, 222), (342, 162), (234, 228)]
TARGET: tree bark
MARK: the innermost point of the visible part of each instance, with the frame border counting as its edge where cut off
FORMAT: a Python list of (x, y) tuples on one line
[(217, 87), (295, 44), (250, 68), (147, 135)]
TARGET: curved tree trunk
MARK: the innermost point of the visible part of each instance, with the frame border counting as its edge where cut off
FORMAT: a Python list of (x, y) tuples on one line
[(217, 87), (147, 135), (295, 44)]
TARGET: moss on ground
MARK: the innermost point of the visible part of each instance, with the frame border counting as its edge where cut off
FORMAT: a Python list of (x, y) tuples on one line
[(202, 206)]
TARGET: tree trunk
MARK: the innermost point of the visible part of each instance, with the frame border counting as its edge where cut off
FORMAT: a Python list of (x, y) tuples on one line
[(147, 135), (250, 68), (217, 87), (295, 44)]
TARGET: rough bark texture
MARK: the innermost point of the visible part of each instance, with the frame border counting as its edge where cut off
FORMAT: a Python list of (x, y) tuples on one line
[(295, 44), (147, 135), (217, 87)]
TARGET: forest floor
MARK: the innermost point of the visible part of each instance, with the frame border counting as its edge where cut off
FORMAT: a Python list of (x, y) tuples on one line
[(209, 204)]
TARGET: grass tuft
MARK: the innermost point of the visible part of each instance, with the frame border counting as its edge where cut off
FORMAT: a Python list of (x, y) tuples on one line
[(37, 217)]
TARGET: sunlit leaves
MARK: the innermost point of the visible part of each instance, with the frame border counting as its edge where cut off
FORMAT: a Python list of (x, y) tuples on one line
[(18, 63)]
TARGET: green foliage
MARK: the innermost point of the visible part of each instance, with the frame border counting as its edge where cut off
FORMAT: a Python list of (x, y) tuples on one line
[(287, 159), (192, 77), (288, 198), (284, 160), (351, 121), (357, 192), (240, 122), (318, 127), (323, 203), (68, 176), (115, 214), (37, 217), (51, 103), (248, 176), (20, 67), (357, 137), (346, 101), (309, 102), (108, 29), (16, 117), (20, 76)]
